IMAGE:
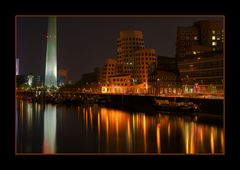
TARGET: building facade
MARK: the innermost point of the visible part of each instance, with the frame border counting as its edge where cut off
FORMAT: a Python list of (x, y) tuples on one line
[(109, 69), (127, 43), (142, 60), (29, 80), (118, 84), (163, 77), (202, 36), (131, 65), (202, 73)]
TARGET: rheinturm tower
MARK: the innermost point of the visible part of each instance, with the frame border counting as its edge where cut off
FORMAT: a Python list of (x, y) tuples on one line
[(51, 55)]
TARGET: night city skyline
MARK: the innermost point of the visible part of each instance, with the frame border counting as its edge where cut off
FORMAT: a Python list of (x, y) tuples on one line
[(85, 42), (159, 85)]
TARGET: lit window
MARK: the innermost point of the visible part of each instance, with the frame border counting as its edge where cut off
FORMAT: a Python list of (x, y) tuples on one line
[(213, 38), (213, 31), (195, 37), (194, 52), (218, 38), (214, 43)]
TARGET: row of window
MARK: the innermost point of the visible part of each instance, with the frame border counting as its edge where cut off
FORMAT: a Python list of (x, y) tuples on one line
[(124, 52), (105, 69), (134, 39), (110, 73), (140, 76), (144, 54), (140, 71), (130, 44), (217, 32), (145, 58), (109, 65), (191, 37), (120, 85), (160, 78), (188, 43), (146, 67), (119, 79), (188, 32)]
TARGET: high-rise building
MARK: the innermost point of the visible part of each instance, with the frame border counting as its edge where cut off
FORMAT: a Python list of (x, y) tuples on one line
[(199, 53), (127, 43), (202, 36), (142, 60), (211, 33), (129, 72), (186, 38), (51, 55)]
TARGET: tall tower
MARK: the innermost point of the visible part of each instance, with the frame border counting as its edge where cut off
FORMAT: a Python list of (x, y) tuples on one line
[(51, 55)]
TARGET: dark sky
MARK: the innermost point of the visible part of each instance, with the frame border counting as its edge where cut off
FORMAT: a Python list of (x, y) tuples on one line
[(85, 42)]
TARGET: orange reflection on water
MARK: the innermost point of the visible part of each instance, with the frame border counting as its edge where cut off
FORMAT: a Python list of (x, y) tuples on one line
[(90, 114), (192, 139), (187, 137), (212, 139), (122, 131), (222, 140), (169, 131), (158, 138), (144, 133), (129, 136)]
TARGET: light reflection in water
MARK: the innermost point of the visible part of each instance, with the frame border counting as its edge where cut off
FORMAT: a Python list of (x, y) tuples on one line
[(111, 130), (50, 123), (158, 138)]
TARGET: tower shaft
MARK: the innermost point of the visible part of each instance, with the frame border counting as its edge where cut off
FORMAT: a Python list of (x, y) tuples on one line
[(51, 55)]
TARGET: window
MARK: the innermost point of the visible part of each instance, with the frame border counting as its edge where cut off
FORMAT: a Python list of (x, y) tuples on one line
[(213, 31), (195, 38), (213, 38), (214, 43)]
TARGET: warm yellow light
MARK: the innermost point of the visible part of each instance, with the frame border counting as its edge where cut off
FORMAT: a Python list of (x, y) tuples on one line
[(104, 90)]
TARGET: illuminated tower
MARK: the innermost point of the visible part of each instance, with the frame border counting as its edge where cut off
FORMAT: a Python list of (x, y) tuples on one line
[(17, 66), (51, 56)]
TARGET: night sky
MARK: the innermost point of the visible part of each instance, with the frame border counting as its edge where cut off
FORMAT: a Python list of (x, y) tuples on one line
[(85, 42)]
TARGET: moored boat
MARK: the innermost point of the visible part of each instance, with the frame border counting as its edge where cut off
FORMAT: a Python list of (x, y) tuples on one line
[(175, 106)]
